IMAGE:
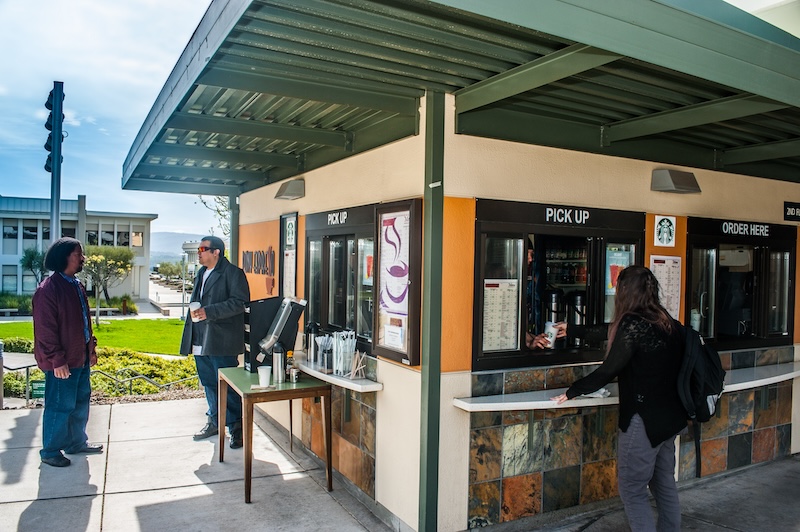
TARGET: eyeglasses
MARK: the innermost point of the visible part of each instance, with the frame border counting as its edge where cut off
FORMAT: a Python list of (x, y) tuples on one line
[(204, 248)]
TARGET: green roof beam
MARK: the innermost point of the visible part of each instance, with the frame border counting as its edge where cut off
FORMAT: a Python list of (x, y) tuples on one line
[(761, 152), (664, 33), (264, 130), (184, 187), (547, 69), (720, 110), (196, 172), (314, 91), (224, 155)]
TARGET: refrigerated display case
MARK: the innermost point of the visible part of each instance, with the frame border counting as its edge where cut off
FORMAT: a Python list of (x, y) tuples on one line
[(545, 263)]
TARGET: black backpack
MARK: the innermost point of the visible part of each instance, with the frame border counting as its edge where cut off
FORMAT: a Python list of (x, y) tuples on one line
[(700, 383)]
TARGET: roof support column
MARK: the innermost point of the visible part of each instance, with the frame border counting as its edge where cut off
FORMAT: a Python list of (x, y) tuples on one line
[(233, 245), (433, 208)]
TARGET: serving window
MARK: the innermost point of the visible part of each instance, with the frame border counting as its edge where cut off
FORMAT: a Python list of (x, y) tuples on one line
[(740, 282), (543, 263), (363, 275)]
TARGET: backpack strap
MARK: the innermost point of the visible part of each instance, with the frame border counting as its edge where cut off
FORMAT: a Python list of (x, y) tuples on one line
[(698, 464)]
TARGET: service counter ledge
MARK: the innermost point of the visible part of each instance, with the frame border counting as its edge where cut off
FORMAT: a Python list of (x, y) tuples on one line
[(357, 385), (735, 380)]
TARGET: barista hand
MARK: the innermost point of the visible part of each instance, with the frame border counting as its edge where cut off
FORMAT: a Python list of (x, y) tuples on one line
[(540, 341)]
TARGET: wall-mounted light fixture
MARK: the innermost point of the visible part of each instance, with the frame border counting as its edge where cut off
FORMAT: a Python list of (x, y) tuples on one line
[(292, 190), (674, 181)]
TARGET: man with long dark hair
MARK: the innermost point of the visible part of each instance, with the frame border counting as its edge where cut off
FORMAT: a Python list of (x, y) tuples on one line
[(64, 347), (645, 352)]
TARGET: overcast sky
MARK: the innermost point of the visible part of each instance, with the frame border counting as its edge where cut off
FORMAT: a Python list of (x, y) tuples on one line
[(113, 57)]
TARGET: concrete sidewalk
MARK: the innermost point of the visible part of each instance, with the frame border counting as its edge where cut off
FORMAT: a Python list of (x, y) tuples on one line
[(154, 477)]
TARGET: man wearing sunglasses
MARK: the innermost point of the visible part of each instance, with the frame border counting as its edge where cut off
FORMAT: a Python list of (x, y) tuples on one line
[(216, 339)]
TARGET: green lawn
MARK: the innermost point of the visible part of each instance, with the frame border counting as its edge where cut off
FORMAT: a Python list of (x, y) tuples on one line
[(161, 336)]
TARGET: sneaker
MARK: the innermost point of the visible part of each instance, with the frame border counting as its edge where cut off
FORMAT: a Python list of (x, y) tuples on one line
[(206, 432), (57, 461)]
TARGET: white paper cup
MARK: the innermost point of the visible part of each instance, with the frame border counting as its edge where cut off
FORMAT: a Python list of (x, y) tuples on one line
[(194, 305), (263, 375), (550, 332)]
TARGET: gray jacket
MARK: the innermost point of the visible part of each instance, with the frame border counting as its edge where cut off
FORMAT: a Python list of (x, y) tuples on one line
[(225, 295)]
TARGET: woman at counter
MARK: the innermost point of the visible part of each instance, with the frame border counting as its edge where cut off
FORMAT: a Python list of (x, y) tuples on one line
[(645, 355)]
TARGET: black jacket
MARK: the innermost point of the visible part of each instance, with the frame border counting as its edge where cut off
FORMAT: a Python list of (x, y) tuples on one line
[(225, 295), (646, 361)]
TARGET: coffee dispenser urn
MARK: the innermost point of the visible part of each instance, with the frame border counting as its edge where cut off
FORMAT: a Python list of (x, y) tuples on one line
[(552, 306), (576, 317), (312, 330)]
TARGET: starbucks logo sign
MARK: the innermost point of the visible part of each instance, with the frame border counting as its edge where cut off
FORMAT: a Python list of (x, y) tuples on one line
[(665, 231)]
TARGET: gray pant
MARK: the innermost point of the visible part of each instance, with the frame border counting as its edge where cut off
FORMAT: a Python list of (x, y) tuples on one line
[(639, 465)]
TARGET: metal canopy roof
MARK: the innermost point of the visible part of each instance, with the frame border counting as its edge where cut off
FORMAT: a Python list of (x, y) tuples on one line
[(269, 89)]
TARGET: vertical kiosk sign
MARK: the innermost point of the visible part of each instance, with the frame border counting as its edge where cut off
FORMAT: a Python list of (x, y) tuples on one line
[(289, 255)]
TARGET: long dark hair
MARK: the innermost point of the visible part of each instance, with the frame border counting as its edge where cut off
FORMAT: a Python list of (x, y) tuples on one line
[(58, 253), (637, 293)]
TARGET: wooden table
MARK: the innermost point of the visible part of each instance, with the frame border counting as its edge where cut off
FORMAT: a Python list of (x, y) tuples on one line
[(241, 382)]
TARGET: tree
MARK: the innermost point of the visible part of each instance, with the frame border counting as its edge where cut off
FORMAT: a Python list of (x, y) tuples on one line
[(33, 260), (220, 206), (106, 267), (169, 269)]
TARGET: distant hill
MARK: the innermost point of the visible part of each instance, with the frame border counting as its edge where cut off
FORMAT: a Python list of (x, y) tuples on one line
[(167, 247), (171, 242)]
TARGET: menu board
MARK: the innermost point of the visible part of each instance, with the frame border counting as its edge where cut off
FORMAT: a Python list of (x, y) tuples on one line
[(500, 314), (668, 272)]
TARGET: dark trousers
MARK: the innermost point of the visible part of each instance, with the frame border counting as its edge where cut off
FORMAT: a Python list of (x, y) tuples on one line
[(207, 370), (66, 412)]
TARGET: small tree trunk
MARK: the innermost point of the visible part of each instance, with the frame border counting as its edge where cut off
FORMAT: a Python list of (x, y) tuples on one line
[(96, 305), (105, 294)]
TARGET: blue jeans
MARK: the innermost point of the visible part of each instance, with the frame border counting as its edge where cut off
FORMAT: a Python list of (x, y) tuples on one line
[(66, 412), (207, 368), (640, 465)]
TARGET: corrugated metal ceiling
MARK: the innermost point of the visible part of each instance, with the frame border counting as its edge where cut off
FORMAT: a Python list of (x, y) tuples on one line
[(293, 85)]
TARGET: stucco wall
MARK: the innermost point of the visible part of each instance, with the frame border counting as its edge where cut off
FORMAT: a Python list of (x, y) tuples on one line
[(397, 453), (486, 168)]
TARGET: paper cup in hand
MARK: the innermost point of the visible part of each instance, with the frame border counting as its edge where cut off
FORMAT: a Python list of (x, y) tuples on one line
[(263, 375), (194, 305), (550, 332)]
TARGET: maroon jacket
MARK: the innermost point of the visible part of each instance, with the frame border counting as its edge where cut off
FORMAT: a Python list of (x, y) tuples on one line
[(58, 325)]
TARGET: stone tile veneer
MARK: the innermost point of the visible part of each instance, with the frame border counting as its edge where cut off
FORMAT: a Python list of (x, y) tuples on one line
[(524, 463), (751, 426), (353, 437)]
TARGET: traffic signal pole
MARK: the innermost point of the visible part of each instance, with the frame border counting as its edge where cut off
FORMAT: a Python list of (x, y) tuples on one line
[(53, 165)]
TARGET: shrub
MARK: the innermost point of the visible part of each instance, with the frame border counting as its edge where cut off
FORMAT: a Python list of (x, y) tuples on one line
[(20, 302), (18, 345), (119, 364)]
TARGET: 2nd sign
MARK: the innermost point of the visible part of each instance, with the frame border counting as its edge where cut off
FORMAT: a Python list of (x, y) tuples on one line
[(791, 211)]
